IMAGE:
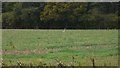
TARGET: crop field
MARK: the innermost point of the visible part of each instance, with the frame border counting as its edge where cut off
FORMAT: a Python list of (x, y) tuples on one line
[(71, 47)]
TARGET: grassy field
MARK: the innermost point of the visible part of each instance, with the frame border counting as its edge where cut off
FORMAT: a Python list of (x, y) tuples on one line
[(70, 47)]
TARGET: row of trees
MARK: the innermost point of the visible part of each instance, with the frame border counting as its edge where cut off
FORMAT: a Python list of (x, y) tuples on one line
[(58, 15)]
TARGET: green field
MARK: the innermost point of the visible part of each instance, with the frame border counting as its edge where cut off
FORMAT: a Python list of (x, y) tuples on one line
[(35, 46)]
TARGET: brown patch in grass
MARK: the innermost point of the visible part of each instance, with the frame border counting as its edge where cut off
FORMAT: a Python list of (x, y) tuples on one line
[(26, 52), (92, 47)]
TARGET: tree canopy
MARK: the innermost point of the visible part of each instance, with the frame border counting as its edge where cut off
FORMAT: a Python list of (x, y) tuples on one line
[(59, 15)]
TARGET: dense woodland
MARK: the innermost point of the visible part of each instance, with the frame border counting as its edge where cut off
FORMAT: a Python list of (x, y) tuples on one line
[(59, 15)]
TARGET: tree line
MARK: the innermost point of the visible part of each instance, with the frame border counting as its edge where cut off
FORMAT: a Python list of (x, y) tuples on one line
[(59, 15)]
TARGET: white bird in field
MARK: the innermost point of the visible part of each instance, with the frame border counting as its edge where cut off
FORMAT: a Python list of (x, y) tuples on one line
[(64, 29)]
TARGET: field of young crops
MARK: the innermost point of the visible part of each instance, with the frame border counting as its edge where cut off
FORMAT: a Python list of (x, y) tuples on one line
[(71, 47)]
